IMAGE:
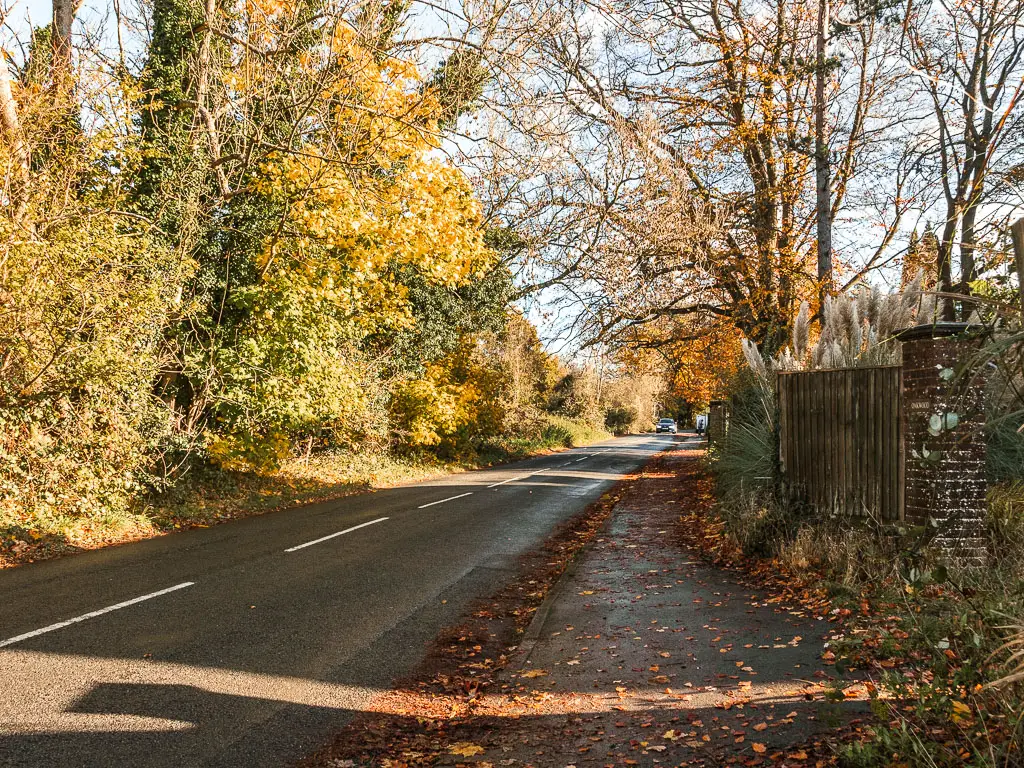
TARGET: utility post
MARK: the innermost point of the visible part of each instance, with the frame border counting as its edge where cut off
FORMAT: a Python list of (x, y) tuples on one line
[(823, 183)]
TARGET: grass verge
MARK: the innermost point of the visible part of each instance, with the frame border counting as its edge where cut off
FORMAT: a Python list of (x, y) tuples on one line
[(208, 495), (935, 643)]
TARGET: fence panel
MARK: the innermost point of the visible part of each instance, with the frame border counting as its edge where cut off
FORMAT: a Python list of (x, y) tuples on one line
[(840, 438)]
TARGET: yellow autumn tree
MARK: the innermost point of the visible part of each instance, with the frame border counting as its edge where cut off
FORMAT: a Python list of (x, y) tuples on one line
[(456, 403), (363, 198)]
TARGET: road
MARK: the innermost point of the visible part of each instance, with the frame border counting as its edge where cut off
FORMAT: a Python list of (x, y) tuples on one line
[(250, 643)]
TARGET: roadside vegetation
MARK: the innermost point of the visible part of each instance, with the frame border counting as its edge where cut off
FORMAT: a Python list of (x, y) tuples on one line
[(500, 399), (236, 272), (940, 644)]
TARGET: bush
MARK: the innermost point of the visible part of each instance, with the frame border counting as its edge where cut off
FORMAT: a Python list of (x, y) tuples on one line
[(572, 433), (631, 401), (80, 334), (575, 396), (747, 455), (620, 420), (542, 432), (1004, 523), (453, 408), (554, 435)]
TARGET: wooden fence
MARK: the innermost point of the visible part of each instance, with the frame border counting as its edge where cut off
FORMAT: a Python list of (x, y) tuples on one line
[(841, 440)]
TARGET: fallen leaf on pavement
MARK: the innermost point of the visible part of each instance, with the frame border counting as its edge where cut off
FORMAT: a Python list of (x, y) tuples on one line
[(466, 749)]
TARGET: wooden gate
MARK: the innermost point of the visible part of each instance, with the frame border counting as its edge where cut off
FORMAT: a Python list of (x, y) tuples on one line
[(841, 441)]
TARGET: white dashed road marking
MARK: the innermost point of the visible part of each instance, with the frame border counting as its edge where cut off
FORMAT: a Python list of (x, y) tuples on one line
[(93, 614), (510, 480), (339, 533), (442, 501)]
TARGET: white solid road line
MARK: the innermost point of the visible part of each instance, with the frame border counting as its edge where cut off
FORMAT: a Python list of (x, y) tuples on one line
[(93, 614), (442, 501), (339, 533)]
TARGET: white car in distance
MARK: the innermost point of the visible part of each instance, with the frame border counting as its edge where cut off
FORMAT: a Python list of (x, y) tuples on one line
[(665, 425)]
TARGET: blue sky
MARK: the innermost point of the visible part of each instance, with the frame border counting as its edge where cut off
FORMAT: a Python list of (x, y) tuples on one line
[(17, 19)]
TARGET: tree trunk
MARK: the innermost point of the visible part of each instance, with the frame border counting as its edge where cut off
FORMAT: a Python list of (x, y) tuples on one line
[(974, 169), (63, 20), (969, 267), (1017, 235), (10, 122), (205, 108), (821, 160), (945, 268)]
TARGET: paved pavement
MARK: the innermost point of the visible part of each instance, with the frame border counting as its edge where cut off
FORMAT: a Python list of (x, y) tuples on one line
[(647, 656), (250, 643)]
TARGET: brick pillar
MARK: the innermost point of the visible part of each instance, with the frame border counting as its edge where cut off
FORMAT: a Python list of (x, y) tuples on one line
[(945, 472)]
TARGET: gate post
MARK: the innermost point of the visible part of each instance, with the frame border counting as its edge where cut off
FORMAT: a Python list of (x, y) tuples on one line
[(718, 420), (943, 421)]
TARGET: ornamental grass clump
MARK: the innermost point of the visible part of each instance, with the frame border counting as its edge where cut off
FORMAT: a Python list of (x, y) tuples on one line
[(857, 330)]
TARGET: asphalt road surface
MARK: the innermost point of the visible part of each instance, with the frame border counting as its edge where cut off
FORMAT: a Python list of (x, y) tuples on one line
[(250, 643)]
